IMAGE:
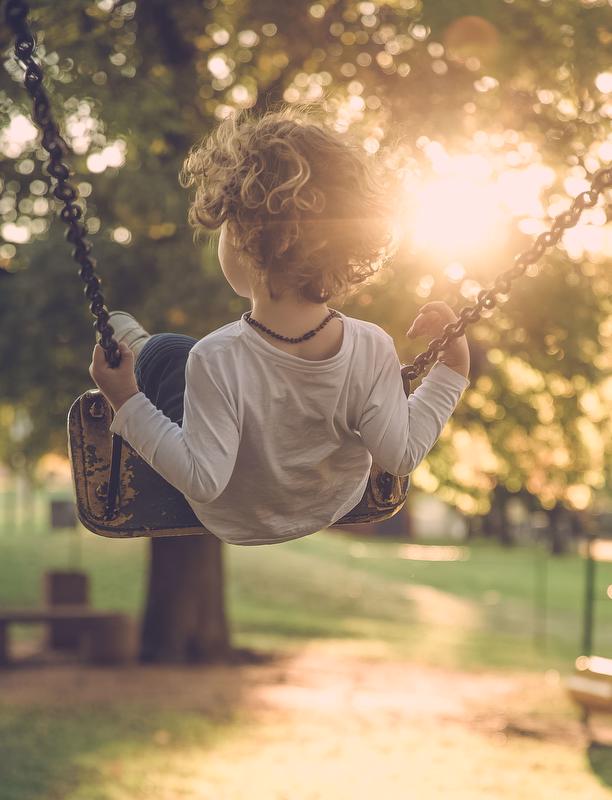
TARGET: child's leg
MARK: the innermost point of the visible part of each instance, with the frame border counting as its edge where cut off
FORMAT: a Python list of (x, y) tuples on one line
[(160, 371)]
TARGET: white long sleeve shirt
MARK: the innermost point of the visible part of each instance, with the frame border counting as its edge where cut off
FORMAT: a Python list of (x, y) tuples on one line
[(273, 446)]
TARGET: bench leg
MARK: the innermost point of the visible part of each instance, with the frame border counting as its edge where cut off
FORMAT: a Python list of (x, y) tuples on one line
[(4, 644)]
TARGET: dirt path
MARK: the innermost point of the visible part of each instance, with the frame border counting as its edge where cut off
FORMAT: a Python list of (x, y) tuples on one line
[(331, 724)]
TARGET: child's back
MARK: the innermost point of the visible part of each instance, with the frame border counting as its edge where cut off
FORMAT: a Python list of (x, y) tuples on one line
[(280, 426), (281, 446)]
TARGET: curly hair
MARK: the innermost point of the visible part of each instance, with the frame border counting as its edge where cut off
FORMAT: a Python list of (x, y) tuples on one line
[(312, 211)]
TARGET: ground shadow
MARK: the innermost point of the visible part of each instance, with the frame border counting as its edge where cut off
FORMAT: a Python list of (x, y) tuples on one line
[(62, 726)]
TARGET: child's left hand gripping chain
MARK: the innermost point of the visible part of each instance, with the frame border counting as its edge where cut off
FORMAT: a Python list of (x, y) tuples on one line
[(116, 384), (431, 320)]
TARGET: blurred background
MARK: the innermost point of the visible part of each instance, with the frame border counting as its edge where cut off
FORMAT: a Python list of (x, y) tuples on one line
[(443, 636)]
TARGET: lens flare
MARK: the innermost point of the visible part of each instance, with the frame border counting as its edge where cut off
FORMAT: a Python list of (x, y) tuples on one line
[(469, 205), (456, 217)]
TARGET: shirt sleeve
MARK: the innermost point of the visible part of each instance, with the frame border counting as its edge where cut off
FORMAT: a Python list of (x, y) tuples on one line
[(197, 459), (399, 431)]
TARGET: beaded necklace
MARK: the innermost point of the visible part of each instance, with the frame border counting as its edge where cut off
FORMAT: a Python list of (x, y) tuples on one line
[(291, 339)]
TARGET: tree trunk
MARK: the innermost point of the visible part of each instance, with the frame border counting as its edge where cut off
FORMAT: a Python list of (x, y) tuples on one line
[(495, 523), (474, 527), (557, 533), (185, 619)]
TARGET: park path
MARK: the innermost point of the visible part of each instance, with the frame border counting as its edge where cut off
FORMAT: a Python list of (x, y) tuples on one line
[(332, 723)]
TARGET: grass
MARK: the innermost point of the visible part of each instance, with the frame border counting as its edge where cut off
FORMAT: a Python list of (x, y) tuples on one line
[(78, 754), (485, 611), (478, 614)]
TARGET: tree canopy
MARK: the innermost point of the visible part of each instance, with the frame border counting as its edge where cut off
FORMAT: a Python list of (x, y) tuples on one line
[(494, 113)]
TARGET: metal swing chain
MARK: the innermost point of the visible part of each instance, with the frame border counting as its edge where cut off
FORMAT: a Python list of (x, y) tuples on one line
[(488, 298), (25, 49)]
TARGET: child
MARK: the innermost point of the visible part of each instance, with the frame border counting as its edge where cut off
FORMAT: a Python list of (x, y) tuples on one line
[(283, 410)]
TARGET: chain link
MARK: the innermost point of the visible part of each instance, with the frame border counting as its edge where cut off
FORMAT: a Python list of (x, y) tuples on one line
[(25, 51), (489, 298)]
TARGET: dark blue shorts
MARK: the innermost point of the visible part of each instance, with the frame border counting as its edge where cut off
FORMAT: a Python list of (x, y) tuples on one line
[(160, 371)]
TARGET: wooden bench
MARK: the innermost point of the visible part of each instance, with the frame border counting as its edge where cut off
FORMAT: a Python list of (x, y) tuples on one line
[(106, 637)]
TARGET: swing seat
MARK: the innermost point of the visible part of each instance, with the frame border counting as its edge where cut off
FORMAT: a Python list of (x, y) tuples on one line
[(147, 504)]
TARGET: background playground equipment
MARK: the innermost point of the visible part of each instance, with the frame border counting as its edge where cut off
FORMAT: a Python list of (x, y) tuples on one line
[(591, 685), (73, 626)]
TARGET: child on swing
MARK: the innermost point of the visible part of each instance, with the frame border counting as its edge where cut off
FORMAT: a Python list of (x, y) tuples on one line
[(269, 425)]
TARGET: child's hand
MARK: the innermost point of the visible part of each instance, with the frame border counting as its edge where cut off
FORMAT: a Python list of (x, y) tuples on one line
[(431, 321), (118, 384)]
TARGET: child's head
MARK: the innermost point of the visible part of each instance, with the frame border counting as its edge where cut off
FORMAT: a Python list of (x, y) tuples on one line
[(307, 211)]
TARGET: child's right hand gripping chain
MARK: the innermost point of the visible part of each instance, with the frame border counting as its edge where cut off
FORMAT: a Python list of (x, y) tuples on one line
[(431, 321)]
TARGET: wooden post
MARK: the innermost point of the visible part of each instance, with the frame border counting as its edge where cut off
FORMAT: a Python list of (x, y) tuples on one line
[(110, 639), (589, 599), (4, 644), (66, 587)]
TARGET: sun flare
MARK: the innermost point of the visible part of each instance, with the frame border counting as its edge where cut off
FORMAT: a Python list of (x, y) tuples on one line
[(468, 205), (456, 217)]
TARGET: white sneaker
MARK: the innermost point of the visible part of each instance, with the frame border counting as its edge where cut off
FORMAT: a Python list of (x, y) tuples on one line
[(129, 330)]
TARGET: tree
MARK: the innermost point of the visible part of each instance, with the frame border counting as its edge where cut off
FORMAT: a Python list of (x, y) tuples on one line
[(136, 83)]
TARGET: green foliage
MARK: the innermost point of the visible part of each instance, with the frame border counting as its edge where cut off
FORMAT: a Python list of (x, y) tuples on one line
[(151, 78)]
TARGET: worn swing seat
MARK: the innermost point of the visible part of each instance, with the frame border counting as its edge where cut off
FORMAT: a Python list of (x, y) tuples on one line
[(120, 496)]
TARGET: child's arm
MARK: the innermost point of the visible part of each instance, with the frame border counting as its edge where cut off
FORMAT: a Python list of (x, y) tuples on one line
[(197, 459), (398, 431)]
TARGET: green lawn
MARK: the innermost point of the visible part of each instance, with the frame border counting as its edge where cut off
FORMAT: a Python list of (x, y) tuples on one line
[(478, 612), (79, 754), (475, 616)]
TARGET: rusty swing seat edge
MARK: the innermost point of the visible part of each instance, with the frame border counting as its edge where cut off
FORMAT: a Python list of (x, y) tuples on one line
[(148, 506)]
